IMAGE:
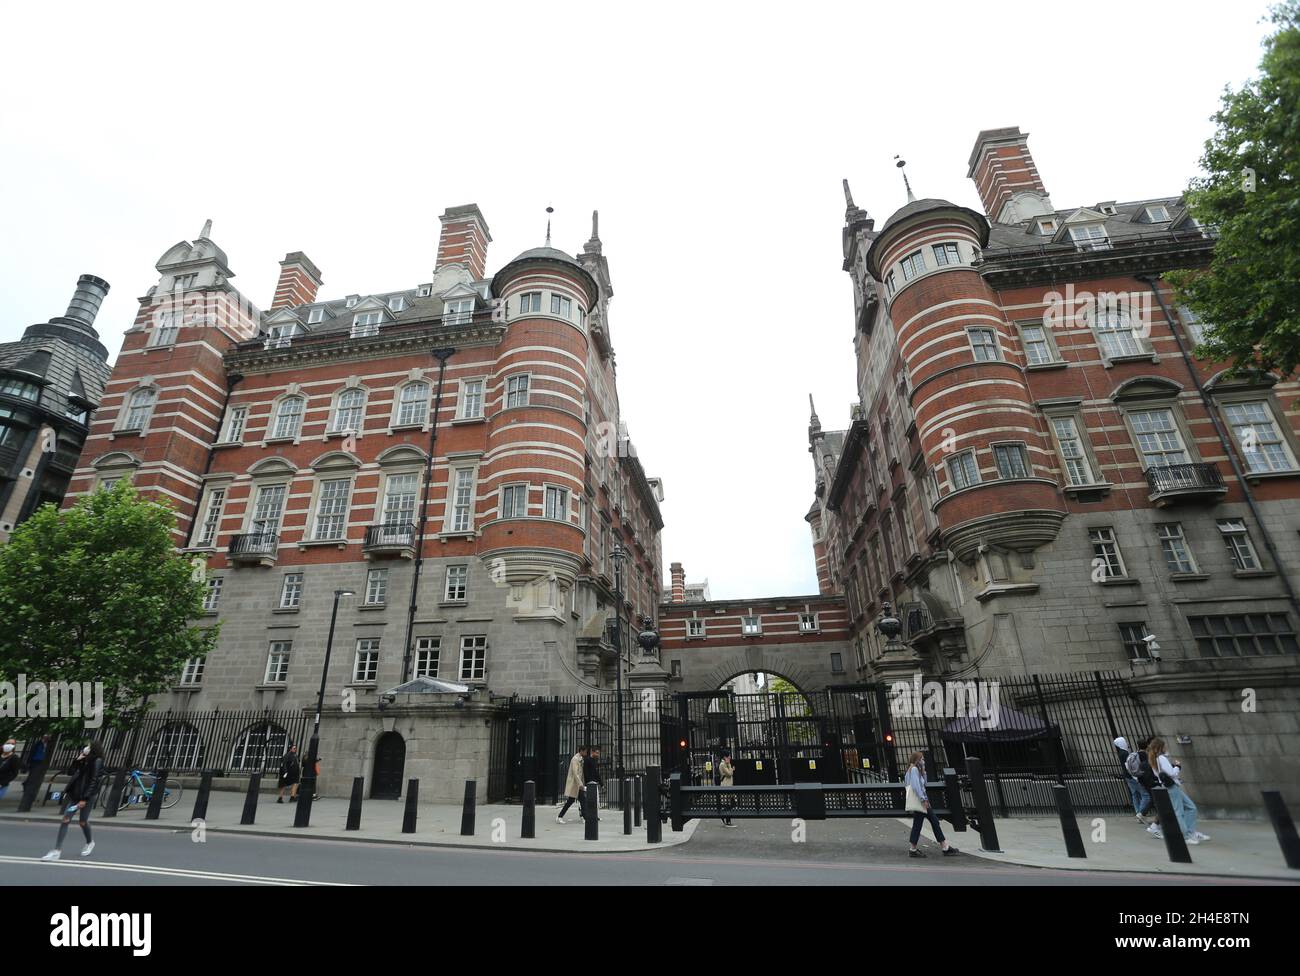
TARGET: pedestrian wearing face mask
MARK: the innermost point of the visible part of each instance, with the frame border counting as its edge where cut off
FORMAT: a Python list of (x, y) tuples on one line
[(918, 805), (9, 765), (79, 795)]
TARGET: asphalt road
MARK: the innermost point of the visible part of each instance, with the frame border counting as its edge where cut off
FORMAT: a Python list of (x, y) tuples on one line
[(755, 853)]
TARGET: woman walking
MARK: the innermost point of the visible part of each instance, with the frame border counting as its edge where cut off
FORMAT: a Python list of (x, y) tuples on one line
[(918, 804), (1170, 774), (727, 777), (290, 773), (79, 796)]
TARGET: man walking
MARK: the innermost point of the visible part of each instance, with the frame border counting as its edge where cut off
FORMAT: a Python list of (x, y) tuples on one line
[(591, 774), (573, 789)]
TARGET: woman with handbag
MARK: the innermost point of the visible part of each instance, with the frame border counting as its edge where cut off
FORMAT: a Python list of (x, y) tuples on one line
[(918, 805)]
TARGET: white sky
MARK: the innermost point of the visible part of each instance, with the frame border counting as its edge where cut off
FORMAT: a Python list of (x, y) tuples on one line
[(712, 137)]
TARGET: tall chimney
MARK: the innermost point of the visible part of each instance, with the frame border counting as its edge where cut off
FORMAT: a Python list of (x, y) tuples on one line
[(299, 282), (679, 583), (464, 239), (86, 300), (1001, 166)]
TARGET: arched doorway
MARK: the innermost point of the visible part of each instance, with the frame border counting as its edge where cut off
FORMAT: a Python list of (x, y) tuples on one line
[(390, 763)]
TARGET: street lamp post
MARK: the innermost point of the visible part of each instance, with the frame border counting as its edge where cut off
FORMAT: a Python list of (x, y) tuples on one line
[(618, 554), (307, 790)]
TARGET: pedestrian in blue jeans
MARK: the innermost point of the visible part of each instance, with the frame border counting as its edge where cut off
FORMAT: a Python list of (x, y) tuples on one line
[(1129, 764), (1171, 777), (918, 805)]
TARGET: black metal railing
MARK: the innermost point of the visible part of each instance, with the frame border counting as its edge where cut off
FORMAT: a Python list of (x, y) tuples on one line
[(255, 544), (1124, 242), (390, 535), (1184, 477)]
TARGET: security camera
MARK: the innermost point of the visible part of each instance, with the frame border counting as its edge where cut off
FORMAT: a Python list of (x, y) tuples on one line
[(1153, 648)]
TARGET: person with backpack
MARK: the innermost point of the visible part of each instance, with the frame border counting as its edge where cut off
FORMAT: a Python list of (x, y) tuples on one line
[(726, 777), (290, 773), (918, 805), (1170, 773), (84, 778), (1131, 763)]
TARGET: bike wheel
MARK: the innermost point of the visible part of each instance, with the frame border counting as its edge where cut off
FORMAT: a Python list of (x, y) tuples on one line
[(171, 793)]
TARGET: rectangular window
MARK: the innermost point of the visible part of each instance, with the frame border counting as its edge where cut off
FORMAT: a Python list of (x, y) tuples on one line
[(277, 663), (557, 503), (316, 315), (913, 265), (750, 626), (1192, 325), (397, 303), (458, 312), (235, 426), (963, 471), (695, 627), (280, 336), (562, 306), (1012, 460), (1116, 336), (530, 302), (891, 284), (427, 652), (676, 668), (1174, 545), (1236, 539), (291, 591), (514, 501), (946, 254), (517, 391), (984, 344), (413, 405), (1105, 553), (268, 509), (1038, 349), (462, 507), (288, 417), (349, 413), (1093, 237), (366, 666), (399, 499), (213, 596), (471, 399), (1157, 214), (1132, 637), (332, 509), (184, 282), (837, 663), (1159, 440), (164, 333), (192, 673), (1238, 635), (808, 623), (376, 587), (211, 518), (366, 324), (1262, 445), (473, 658), (1077, 469), (457, 583)]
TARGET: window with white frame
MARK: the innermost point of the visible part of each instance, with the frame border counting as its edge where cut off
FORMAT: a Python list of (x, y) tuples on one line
[(1105, 553), (1037, 346), (1157, 213), (891, 284), (457, 584), (332, 509), (561, 306), (1090, 237), (166, 326), (1178, 557), (1158, 438), (530, 302), (281, 336), (1236, 539), (1115, 335), (983, 344), (963, 471), (413, 404), (1134, 638), (1262, 444), (316, 315), (751, 626), (351, 301), (268, 509), (695, 627), (184, 282), (235, 425), (913, 265), (473, 658), (349, 411), (1047, 227), (1192, 325), (557, 503), (288, 417), (1012, 460), (946, 254), (471, 399), (366, 323), (399, 498), (192, 672), (376, 587), (517, 391), (291, 591), (397, 303), (277, 663), (211, 518), (139, 408), (462, 502), (458, 311), (514, 501), (366, 666), (1078, 469), (427, 652), (808, 623), (213, 595)]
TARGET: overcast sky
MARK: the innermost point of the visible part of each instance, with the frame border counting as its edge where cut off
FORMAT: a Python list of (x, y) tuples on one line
[(712, 137)]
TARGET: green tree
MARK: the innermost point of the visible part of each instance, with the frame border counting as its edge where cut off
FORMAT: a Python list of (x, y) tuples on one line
[(1250, 293), (99, 593)]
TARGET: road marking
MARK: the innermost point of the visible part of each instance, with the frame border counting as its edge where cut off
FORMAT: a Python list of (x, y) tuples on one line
[(174, 872), (694, 882)]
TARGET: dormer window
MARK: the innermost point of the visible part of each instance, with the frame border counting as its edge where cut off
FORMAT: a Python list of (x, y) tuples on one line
[(316, 315), (366, 324), (1108, 208), (279, 336), (1158, 213), (397, 303), (1091, 237), (425, 291), (352, 300), (1047, 227), (458, 312), (913, 265)]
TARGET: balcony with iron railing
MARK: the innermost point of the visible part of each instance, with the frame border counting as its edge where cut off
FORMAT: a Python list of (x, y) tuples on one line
[(1174, 483), (390, 539), (256, 548)]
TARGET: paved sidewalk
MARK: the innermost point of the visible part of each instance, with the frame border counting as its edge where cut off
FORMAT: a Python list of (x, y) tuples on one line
[(381, 822), (1238, 848)]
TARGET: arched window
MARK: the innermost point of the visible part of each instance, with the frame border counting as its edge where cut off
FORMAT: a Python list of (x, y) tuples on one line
[(413, 404), (349, 411), (139, 408), (288, 417), (259, 746), (176, 746)]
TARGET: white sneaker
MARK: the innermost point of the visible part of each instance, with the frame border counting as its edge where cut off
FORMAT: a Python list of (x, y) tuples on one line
[(1201, 836), (85, 851), (52, 856), (1155, 831), (560, 820), (1191, 839)]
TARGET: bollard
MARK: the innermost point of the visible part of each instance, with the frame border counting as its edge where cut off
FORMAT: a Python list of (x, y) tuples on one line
[(201, 801), (115, 793), (528, 829), (1170, 827), (650, 795), (467, 812), (156, 797), (1283, 826), (636, 801), (675, 802), (988, 832), (956, 809), (1069, 825), (624, 788), (250, 800), (591, 822), (354, 805), (412, 802)]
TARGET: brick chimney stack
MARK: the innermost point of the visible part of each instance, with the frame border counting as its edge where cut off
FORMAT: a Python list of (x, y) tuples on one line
[(299, 282), (1003, 169), (464, 240), (679, 583)]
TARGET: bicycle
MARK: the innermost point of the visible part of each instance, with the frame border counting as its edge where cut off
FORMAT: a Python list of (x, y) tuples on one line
[(139, 788)]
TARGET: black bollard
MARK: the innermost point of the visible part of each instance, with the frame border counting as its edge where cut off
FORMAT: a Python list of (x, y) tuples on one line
[(528, 828), (1170, 827), (654, 828), (354, 805), (675, 817), (156, 797), (590, 823), (201, 801), (467, 813), (115, 793), (636, 800), (988, 832), (1283, 826), (956, 809), (1069, 825), (624, 788), (412, 801), (250, 801)]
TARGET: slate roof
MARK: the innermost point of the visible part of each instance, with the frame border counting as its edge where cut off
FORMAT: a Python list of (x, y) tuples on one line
[(1128, 221)]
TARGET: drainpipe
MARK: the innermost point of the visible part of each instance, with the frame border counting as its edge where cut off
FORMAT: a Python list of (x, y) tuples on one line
[(1228, 447)]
